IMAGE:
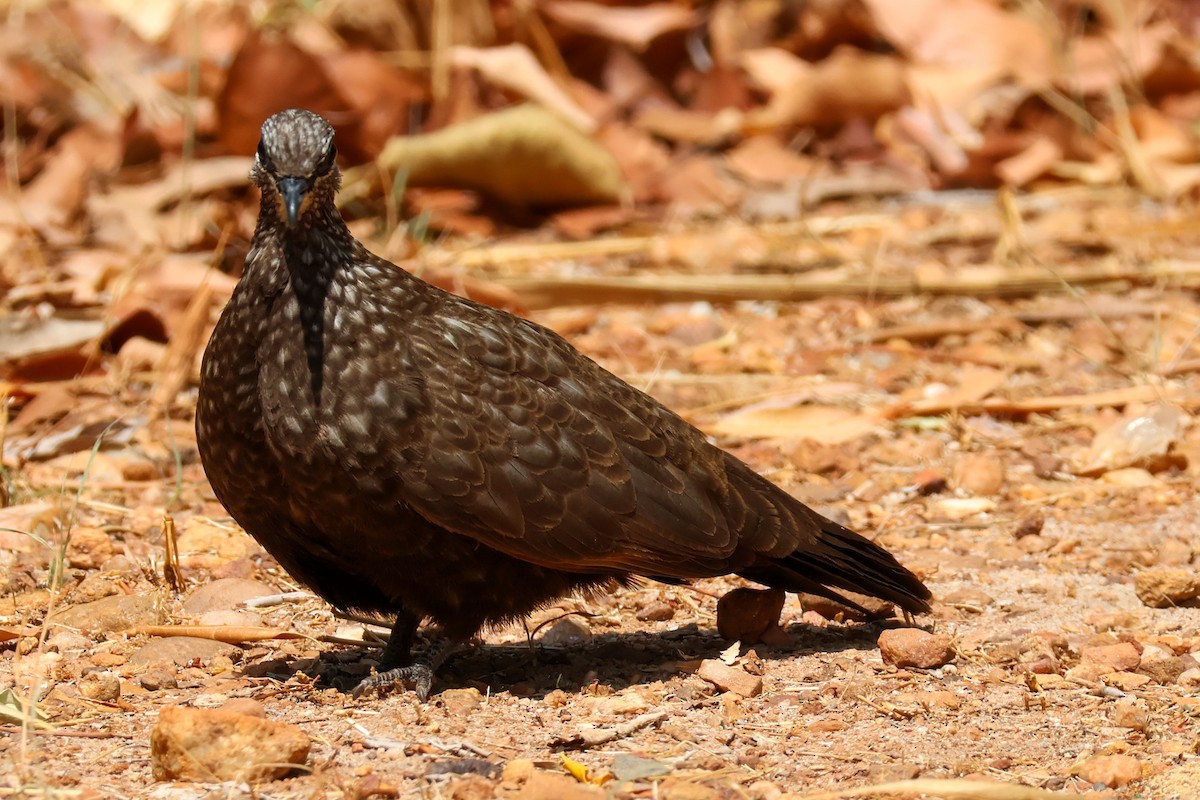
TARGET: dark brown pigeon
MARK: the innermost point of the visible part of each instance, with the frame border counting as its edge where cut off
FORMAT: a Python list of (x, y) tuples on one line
[(403, 450)]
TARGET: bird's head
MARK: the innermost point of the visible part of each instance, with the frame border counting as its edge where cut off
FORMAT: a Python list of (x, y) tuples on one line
[(295, 165)]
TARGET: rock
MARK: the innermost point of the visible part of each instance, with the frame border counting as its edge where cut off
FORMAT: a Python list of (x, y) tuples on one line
[(95, 586), (912, 647), (1131, 477), (745, 615), (833, 610), (107, 660), (181, 650), (112, 614), (567, 632), (245, 705), (204, 745), (158, 678), (980, 474), (1112, 771), (67, 641), (1165, 587), (88, 548), (729, 678), (679, 789), (204, 545), (621, 704), (1126, 681), (960, 508), (1030, 526), (970, 598), (1121, 657), (521, 779), (764, 790), (100, 685), (460, 702), (1089, 672), (1048, 466), (1160, 665), (1131, 714), (1112, 621), (929, 482), (19, 521), (1189, 678), (225, 594), (1034, 543), (656, 612)]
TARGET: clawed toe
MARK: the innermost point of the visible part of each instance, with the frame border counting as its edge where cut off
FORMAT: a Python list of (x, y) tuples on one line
[(419, 676)]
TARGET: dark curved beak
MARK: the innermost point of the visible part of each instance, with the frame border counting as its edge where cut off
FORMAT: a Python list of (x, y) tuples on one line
[(292, 190)]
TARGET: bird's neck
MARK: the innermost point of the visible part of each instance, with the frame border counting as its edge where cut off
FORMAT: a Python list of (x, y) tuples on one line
[(313, 252)]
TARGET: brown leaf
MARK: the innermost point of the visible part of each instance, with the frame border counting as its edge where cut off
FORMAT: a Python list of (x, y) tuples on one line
[(523, 156), (765, 160), (634, 26), (1031, 163), (849, 84), (825, 424), (968, 34), (270, 73), (515, 68)]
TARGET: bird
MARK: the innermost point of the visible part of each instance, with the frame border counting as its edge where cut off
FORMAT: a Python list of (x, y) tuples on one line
[(407, 452)]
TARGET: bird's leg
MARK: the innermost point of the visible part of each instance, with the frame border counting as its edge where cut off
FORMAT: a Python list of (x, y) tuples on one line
[(397, 651), (419, 673), (396, 665)]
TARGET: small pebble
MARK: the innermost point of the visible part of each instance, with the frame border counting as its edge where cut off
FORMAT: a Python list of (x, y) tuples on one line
[(1131, 714), (1112, 771), (461, 702), (980, 474), (730, 678), (1123, 656), (88, 548), (1030, 526), (100, 685), (1166, 587), (656, 612), (746, 615), (567, 632)]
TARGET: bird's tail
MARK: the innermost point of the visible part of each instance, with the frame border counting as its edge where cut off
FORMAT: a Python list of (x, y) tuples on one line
[(839, 558)]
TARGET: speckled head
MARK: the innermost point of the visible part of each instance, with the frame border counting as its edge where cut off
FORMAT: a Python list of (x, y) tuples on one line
[(296, 163)]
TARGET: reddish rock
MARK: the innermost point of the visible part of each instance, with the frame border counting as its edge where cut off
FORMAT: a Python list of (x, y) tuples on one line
[(88, 548), (730, 678), (912, 647), (205, 745), (1165, 587), (1113, 771), (746, 615), (1122, 657), (982, 475)]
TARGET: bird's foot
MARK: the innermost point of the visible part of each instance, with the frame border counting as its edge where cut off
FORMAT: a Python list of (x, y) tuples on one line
[(419, 673), (419, 676)]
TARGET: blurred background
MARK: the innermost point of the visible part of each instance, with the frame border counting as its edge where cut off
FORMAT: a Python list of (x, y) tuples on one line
[(929, 264)]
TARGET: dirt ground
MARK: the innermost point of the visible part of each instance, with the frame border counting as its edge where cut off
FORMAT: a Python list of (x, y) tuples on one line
[(950, 428)]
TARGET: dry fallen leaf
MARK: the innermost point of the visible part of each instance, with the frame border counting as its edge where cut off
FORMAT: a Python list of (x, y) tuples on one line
[(515, 68), (825, 424), (524, 156), (635, 26)]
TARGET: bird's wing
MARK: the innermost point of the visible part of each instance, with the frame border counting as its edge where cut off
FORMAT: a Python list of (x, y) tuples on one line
[(538, 452)]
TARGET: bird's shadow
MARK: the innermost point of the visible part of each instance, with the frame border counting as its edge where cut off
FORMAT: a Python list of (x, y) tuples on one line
[(617, 660)]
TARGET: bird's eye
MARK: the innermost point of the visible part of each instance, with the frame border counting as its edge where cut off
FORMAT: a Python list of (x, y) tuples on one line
[(263, 158), (330, 157)]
